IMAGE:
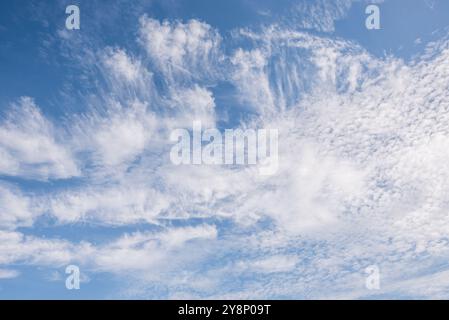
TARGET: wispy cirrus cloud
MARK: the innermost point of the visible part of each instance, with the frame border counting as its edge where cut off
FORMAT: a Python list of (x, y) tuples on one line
[(30, 147)]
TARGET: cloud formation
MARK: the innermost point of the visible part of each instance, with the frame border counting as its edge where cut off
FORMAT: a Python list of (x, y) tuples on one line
[(362, 177)]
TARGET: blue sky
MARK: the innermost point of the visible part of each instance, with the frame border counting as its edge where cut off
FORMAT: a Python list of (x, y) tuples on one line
[(86, 178)]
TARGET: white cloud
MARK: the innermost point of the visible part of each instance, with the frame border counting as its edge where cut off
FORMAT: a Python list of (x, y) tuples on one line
[(270, 265), (115, 137), (177, 237), (8, 274), (320, 15), (195, 103), (114, 205), (149, 252), (182, 48), (20, 249), (252, 79), (123, 66), (15, 209), (29, 147)]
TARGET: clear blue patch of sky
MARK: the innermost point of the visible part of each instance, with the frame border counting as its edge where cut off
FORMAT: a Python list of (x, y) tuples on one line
[(402, 23)]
